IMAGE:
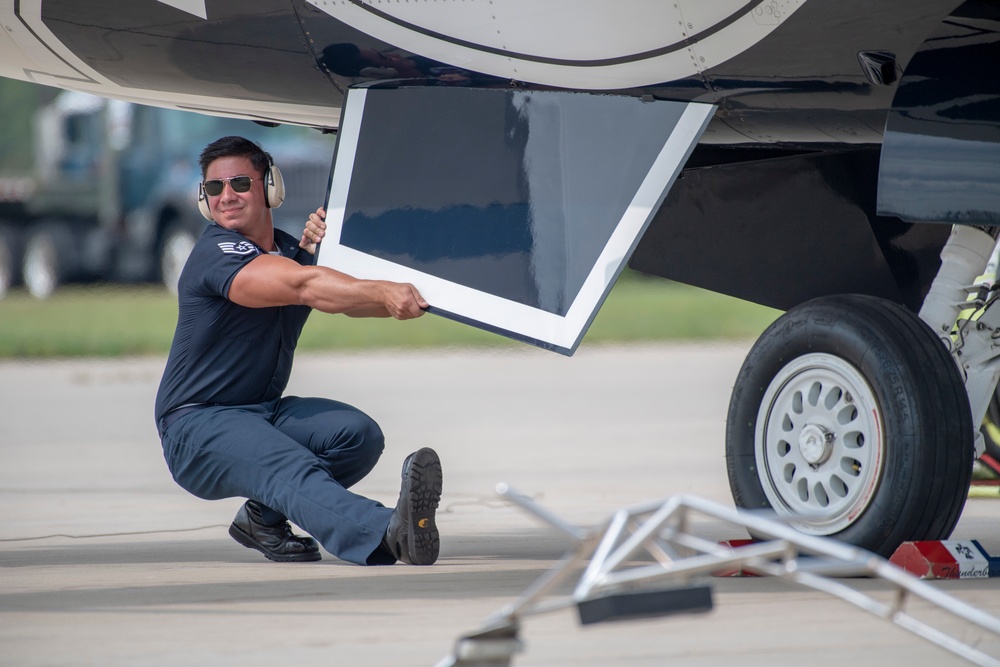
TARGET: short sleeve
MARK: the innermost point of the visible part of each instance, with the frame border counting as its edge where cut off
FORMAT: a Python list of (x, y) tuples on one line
[(216, 259)]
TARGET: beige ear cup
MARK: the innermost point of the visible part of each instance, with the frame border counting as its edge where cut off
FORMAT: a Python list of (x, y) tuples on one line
[(274, 187), (203, 202)]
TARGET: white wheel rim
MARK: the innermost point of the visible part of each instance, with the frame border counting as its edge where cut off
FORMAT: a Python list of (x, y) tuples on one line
[(819, 443), (39, 268), (176, 250)]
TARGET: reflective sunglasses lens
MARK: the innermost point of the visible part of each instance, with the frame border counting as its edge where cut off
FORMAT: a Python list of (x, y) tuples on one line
[(240, 184), (214, 187)]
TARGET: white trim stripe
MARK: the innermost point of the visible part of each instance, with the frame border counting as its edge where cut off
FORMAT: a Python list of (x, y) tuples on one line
[(562, 333)]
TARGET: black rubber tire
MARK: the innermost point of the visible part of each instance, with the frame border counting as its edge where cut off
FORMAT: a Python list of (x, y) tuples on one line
[(927, 450)]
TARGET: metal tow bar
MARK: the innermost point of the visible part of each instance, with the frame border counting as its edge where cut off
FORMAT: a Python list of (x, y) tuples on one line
[(615, 587)]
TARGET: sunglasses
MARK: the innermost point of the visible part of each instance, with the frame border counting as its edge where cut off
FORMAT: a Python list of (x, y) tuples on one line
[(214, 187)]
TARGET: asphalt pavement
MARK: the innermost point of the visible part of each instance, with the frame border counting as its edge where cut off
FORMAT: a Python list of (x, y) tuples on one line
[(105, 561)]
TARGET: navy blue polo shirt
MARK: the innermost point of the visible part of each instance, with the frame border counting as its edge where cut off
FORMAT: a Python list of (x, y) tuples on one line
[(224, 353)]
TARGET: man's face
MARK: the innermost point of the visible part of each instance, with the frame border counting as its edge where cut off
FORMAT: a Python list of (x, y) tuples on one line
[(243, 212)]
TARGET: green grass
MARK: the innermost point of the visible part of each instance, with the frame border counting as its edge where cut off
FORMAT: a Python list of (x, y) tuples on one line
[(109, 321)]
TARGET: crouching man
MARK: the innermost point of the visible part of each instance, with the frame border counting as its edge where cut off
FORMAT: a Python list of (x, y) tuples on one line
[(226, 427)]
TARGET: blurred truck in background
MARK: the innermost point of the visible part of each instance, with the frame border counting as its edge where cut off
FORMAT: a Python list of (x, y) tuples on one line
[(103, 190)]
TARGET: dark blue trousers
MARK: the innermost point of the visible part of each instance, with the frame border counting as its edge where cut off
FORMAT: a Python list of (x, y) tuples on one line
[(297, 456)]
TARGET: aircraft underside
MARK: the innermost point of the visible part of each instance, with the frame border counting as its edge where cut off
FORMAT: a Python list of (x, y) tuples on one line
[(832, 159)]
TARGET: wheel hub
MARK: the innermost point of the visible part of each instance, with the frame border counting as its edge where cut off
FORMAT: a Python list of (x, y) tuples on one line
[(816, 444)]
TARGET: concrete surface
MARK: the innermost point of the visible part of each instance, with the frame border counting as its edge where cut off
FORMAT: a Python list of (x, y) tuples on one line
[(105, 561)]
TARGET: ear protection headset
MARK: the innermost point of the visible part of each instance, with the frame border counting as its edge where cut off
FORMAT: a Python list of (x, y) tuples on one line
[(274, 190)]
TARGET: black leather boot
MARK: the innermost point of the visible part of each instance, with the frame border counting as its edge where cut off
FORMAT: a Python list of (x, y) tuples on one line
[(412, 535), (275, 541)]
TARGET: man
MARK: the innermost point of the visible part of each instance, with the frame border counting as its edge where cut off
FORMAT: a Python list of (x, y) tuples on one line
[(227, 431)]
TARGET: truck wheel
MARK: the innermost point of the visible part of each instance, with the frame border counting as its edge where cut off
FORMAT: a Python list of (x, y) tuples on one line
[(42, 269), (6, 265), (177, 245), (850, 419)]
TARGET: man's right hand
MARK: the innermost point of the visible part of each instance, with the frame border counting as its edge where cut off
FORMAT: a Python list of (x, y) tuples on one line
[(403, 301)]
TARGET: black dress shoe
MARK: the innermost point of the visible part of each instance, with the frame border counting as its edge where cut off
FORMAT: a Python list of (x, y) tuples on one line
[(275, 541), (412, 535)]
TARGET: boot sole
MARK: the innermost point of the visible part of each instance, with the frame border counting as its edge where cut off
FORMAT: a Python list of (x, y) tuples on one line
[(422, 480)]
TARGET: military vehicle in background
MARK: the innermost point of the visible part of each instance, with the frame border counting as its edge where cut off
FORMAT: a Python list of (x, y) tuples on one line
[(102, 190)]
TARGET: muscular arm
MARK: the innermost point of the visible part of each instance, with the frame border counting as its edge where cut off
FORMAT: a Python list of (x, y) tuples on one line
[(269, 280)]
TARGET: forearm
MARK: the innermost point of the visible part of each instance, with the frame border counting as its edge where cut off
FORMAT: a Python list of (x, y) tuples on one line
[(311, 236), (331, 291), (368, 312), (270, 281)]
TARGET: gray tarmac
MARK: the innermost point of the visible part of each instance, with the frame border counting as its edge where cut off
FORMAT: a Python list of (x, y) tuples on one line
[(105, 561)]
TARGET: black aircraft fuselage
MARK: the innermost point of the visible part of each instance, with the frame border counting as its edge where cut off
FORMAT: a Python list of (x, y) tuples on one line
[(895, 92)]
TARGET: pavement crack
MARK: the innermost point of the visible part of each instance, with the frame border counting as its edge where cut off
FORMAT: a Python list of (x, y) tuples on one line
[(122, 534)]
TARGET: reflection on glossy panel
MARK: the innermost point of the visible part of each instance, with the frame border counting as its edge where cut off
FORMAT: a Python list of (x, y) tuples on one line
[(511, 210), (509, 192), (941, 153)]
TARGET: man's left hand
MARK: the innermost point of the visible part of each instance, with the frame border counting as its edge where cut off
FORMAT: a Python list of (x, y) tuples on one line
[(314, 232)]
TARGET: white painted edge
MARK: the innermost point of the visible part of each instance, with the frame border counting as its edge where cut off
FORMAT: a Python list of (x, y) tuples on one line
[(488, 309)]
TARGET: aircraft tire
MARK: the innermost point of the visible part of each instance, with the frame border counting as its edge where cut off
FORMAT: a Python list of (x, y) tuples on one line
[(849, 417)]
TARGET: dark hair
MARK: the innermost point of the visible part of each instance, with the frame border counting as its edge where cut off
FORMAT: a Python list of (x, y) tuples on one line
[(235, 147)]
